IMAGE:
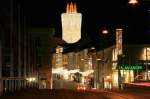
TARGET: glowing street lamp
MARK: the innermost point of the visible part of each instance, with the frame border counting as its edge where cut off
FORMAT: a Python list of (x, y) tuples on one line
[(93, 48), (105, 31), (98, 59), (133, 2)]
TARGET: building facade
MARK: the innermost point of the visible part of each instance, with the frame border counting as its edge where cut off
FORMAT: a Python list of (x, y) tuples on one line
[(75, 67), (104, 69), (18, 61), (43, 48), (133, 66)]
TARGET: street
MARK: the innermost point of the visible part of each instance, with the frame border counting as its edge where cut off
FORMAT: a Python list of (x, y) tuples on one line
[(76, 94)]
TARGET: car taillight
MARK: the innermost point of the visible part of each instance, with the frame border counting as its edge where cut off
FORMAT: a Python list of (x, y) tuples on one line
[(84, 88), (81, 87)]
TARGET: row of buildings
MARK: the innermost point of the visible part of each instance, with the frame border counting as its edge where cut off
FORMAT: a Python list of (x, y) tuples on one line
[(24, 51), (98, 69)]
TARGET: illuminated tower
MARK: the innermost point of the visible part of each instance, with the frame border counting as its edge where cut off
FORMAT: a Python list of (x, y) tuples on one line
[(71, 24), (119, 41), (59, 57)]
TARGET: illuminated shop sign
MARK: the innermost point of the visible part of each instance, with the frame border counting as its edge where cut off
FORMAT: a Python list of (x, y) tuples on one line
[(128, 67)]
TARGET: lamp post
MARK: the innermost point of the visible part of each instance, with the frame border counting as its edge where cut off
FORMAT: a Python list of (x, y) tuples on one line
[(98, 59), (94, 63), (104, 33)]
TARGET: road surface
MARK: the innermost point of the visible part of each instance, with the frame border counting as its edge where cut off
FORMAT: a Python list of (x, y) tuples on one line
[(74, 94)]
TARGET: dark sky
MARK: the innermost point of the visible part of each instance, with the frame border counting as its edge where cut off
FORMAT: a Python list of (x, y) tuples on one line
[(135, 20)]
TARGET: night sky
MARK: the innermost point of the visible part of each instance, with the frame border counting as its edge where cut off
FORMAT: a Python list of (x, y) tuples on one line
[(97, 14)]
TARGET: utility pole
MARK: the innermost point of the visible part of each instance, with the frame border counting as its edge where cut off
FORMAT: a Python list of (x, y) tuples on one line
[(104, 34)]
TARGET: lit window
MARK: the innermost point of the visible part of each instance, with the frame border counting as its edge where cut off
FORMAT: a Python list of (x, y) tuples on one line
[(146, 54)]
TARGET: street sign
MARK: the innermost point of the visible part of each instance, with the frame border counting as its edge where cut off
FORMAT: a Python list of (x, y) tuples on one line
[(128, 67)]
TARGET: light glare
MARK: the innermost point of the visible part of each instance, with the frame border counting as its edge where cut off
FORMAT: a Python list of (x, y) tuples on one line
[(133, 1), (105, 31)]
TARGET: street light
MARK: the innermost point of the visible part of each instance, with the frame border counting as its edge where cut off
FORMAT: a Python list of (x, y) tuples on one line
[(98, 60), (104, 31), (133, 2)]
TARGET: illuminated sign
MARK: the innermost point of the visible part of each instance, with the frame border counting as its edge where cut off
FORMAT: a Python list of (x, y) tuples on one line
[(128, 67)]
